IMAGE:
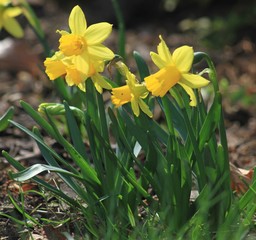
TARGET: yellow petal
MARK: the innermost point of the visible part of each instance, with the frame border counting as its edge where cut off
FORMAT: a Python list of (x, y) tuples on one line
[(82, 86), (97, 33), (191, 94), (71, 44), (161, 82), (183, 58), (99, 80), (77, 21), (101, 52), (144, 107), (82, 63), (135, 106), (98, 87), (122, 68), (62, 32), (74, 77), (54, 69), (121, 95), (12, 12), (5, 2), (13, 27), (164, 51), (194, 81), (158, 61), (140, 90)]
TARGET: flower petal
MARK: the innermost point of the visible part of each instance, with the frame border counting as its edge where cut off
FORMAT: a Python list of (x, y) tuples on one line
[(164, 51), (12, 12), (158, 61), (162, 81), (183, 58), (135, 106), (13, 27), (144, 107), (121, 95), (97, 33), (191, 94), (101, 52), (77, 21), (82, 86), (100, 82), (74, 77), (81, 63), (54, 69), (139, 90), (193, 80)]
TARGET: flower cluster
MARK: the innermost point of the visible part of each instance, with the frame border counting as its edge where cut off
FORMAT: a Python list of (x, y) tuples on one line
[(132, 92), (81, 53), (81, 56), (174, 69), (8, 12)]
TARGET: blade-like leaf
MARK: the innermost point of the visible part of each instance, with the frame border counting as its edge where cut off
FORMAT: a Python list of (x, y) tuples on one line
[(75, 132), (46, 185), (211, 121), (4, 120), (35, 169), (141, 65)]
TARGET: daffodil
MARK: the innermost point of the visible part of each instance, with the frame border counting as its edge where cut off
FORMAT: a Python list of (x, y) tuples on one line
[(84, 43), (59, 65), (174, 69), (7, 19), (133, 92)]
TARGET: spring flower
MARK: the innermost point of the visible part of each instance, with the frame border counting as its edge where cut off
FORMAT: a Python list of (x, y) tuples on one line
[(174, 69), (7, 19), (85, 43), (59, 65), (132, 92)]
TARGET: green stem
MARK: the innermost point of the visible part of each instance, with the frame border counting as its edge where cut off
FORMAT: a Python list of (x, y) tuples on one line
[(198, 155), (121, 28), (168, 115), (213, 77), (121, 35), (37, 29)]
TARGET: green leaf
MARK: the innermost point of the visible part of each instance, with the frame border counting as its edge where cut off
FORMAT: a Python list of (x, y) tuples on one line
[(38, 119), (142, 65), (198, 57), (4, 120), (46, 185), (211, 121), (35, 169), (88, 172), (111, 155), (131, 216), (177, 117), (74, 132), (52, 162)]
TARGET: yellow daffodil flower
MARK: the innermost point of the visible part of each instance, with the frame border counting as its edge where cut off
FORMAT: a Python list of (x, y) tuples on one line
[(132, 92), (85, 43), (174, 69), (59, 65), (7, 19)]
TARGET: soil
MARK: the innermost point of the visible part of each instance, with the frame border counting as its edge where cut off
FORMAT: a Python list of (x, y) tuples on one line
[(21, 78)]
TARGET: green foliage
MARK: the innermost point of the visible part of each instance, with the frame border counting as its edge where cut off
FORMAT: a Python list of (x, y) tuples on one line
[(110, 193), (4, 120), (136, 181)]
